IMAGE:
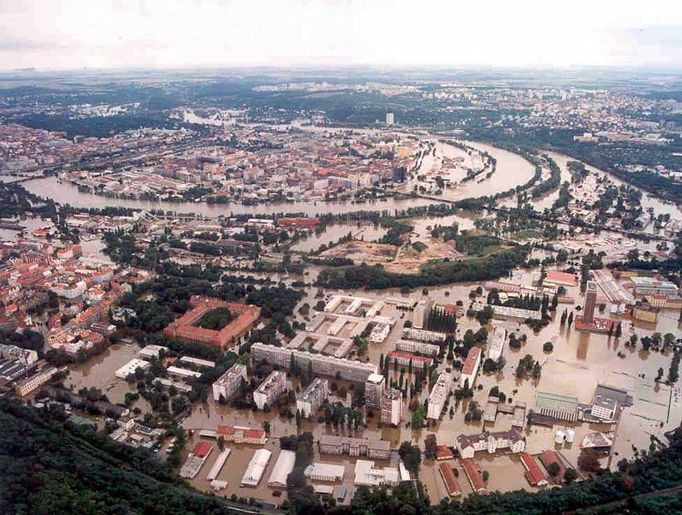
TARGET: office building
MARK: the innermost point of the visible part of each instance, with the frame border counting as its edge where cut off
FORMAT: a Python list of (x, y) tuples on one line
[(390, 118)]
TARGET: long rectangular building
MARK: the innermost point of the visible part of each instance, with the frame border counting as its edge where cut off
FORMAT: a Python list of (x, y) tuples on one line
[(348, 370), (378, 449), (439, 395), (427, 349)]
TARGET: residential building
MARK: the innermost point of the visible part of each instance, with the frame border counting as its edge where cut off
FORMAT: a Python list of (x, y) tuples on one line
[(312, 397), (406, 359), (228, 384), (391, 407), (270, 389), (29, 384), (239, 435), (348, 370), (426, 349), (439, 395), (374, 391)]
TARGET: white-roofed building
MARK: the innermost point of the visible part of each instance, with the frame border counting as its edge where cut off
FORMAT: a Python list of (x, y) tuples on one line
[(256, 468), (283, 467)]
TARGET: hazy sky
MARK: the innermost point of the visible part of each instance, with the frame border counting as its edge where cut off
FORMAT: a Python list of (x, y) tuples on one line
[(52, 34)]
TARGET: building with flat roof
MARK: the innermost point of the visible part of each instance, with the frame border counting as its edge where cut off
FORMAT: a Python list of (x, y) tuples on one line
[(325, 472), (377, 449), (391, 407), (496, 342), (422, 335), (559, 407), (367, 474), (312, 397), (131, 367), (426, 349), (151, 351), (650, 286), (604, 408), (348, 370), (228, 384), (270, 389), (374, 391), (439, 395), (406, 359)]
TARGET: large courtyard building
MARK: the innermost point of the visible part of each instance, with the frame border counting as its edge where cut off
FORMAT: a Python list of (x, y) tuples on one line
[(187, 328)]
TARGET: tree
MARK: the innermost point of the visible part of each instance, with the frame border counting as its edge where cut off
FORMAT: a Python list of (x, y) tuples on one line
[(418, 417), (564, 315), (554, 469), (411, 456), (221, 443), (570, 475), (430, 445), (485, 475), (570, 318), (266, 427), (588, 461), (548, 347)]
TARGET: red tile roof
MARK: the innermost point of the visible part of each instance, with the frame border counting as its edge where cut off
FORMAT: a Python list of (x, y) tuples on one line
[(450, 480), (443, 452), (561, 277), (472, 358), (474, 474), (534, 474), (202, 449)]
